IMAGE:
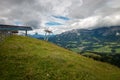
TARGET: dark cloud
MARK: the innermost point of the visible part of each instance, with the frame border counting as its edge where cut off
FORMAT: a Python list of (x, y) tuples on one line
[(33, 23)]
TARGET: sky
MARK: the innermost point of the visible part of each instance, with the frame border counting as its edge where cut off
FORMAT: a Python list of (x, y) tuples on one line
[(60, 15)]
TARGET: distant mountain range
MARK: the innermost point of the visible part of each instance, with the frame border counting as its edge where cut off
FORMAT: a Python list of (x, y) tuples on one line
[(84, 39), (39, 36)]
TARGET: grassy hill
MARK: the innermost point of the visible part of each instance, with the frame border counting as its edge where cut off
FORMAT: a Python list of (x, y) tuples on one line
[(24, 58)]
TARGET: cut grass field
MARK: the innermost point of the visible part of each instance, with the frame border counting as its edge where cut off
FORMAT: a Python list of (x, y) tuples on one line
[(105, 49), (24, 58)]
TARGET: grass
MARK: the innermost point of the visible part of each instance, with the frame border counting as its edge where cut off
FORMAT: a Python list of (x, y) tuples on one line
[(75, 50), (103, 49), (117, 50), (24, 58)]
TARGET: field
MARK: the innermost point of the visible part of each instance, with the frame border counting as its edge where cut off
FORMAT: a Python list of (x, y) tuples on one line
[(106, 47)]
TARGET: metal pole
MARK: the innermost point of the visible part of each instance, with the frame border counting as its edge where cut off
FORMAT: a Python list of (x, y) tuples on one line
[(45, 37), (25, 32)]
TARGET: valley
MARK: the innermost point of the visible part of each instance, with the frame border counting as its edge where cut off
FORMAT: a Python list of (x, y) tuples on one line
[(103, 42)]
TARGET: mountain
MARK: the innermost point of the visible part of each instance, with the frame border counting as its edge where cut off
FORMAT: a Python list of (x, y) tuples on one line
[(80, 40), (24, 58)]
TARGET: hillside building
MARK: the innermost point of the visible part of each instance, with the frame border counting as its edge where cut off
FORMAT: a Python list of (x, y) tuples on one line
[(7, 30)]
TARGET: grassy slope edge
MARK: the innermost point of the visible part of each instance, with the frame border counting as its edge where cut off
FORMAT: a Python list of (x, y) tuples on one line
[(24, 58)]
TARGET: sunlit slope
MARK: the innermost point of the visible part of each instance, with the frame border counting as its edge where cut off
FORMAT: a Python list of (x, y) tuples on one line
[(24, 58)]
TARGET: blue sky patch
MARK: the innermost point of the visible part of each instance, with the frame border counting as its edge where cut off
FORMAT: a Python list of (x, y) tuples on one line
[(62, 17), (53, 24), (18, 23)]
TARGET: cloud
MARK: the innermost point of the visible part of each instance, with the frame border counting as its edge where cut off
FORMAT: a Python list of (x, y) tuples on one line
[(33, 23), (73, 14), (96, 21)]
